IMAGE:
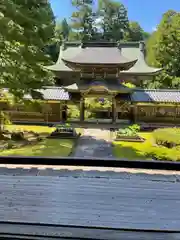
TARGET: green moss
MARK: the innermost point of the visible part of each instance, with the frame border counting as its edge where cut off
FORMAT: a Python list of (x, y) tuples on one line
[(167, 136), (38, 129), (133, 150), (146, 150), (164, 153), (49, 147)]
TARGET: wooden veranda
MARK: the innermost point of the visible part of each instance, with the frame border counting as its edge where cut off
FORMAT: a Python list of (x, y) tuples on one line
[(65, 202)]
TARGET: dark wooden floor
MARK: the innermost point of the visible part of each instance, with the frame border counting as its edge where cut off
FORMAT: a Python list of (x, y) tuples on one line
[(89, 201)]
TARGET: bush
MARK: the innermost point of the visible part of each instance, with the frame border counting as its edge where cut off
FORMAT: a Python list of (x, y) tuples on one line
[(129, 131), (63, 125), (167, 137), (17, 136), (73, 112), (10, 145), (163, 153)]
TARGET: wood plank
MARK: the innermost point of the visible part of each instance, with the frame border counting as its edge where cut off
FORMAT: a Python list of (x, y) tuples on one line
[(98, 202), (44, 232)]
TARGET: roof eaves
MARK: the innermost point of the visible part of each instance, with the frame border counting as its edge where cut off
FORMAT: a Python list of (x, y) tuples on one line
[(50, 93), (157, 90), (132, 62), (59, 67), (156, 95), (153, 71)]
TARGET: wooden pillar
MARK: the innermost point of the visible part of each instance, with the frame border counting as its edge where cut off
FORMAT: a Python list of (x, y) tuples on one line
[(46, 112), (135, 111), (60, 111), (82, 107), (114, 113), (175, 112)]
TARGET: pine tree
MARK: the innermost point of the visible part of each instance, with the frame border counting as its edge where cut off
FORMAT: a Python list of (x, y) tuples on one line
[(82, 19), (134, 33), (62, 30), (26, 28), (114, 19)]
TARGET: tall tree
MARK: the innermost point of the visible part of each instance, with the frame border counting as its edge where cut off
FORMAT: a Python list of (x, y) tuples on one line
[(134, 32), (62, 30), (26, 27), (82, 19), (164, 50), (114, 19), (146, 35)]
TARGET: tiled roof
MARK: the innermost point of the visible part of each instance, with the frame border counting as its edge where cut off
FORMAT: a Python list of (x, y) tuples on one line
[(100, 55), (140, 67), (128, 50), (110, 85), (164, 95), (51, 93), (71, 51)]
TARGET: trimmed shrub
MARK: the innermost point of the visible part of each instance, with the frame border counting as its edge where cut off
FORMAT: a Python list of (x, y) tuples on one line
[(130, 131), (17, 136), (163, 153), (167, 137)]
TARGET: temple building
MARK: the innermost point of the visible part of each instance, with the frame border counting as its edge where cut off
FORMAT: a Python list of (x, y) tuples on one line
[(100, 69)]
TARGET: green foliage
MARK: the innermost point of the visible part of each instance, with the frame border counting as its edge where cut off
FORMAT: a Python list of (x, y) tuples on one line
[(88, 114), (134, 128), (129, 85), (114, 19), (164, 51), (163, 153), (5, 120), (73, 112), (146, 35), (82, 19), (62, 30), (49, 147), (26, 28), (66, 125), (168, 137), (4, 117), (129, 131), (134, 33), (108, 22), (168, 145), (63, 128), (17, 136), (95, 103), (146, 150)]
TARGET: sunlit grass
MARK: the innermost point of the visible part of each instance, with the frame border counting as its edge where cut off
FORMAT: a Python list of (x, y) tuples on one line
[(49, 147), (133, 150), (38, 129)]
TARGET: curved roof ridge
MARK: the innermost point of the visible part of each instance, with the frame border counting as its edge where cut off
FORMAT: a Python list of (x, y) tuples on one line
[(157, 90), (52, 87), (128, 51), (141, 66), (60, 65), (99, 55)]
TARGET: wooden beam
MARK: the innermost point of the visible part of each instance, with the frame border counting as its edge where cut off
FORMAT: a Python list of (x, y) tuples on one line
[(114, 113), (82, 103)]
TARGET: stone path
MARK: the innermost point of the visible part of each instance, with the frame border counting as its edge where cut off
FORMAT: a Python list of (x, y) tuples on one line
[(94, 143)]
